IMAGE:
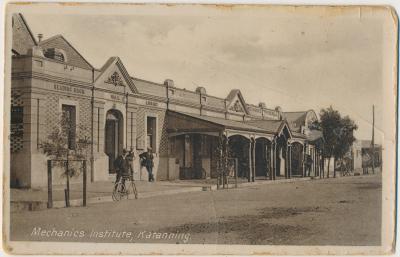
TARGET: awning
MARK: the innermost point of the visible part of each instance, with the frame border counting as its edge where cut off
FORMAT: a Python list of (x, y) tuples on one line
[(271, 126), (178, 122)]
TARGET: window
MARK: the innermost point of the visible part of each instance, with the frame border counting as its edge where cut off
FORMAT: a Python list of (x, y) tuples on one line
[(68, 124), (17, 120), (56, 54), (151, 133), (17, 114)]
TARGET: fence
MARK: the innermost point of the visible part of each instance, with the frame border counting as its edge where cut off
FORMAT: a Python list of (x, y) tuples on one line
[(67, 190)]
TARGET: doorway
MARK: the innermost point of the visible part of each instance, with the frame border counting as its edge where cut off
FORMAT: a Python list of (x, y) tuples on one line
[(263, 157), (239, 149), (113, 137), (297, 159)]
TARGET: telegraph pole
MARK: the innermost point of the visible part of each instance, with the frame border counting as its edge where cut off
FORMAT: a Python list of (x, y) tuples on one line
[(372, 141)]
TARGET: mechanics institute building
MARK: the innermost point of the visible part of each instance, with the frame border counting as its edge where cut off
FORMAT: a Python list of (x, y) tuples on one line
[(111, 110)]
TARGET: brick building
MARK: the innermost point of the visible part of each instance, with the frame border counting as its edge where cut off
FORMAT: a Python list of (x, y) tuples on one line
[(114, 110)]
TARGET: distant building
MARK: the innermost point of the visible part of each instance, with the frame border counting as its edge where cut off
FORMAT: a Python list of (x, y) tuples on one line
[(360, 155), (115, 110), (374, 153)]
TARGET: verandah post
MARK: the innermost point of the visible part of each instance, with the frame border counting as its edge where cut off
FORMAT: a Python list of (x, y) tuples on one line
[(315, 161), (219, 161), (287, 161), (290, 162), (270, 162), (274, 160), (304, 160), (250, 161), (319, 164), (236, 172), (226, 155), (253, 141), (312, 168)]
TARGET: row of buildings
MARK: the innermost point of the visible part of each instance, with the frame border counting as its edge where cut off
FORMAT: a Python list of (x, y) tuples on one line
[(113, 110)]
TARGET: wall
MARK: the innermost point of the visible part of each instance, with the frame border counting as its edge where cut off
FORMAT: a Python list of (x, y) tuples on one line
[(41, 97), (161, 161)]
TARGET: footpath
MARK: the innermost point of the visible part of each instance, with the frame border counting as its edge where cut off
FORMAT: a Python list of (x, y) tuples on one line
[(97, 192)]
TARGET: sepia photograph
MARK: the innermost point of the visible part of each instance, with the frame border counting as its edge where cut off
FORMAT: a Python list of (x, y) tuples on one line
[(199, 129)]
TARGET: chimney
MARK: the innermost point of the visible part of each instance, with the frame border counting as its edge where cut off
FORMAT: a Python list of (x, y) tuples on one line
[(169, 83), (40, 36), (201, 90)]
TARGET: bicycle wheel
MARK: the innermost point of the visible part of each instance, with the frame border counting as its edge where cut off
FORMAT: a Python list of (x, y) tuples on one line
[(130, 188), (118, 191), (134, 189)]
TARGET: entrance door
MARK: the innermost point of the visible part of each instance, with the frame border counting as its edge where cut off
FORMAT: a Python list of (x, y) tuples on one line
[(113, 137)]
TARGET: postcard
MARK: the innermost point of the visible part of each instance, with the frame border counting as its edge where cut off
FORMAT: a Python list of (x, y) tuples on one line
[(199, 129)]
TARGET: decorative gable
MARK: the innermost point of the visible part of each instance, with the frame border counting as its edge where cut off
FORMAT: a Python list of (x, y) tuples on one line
[(285, 130), (236, 106), (236, 102), (113, 76)]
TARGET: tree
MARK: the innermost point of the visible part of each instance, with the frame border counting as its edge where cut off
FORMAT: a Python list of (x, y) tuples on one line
[(345, 138), (222, 152), (337, 133), (65, 144)]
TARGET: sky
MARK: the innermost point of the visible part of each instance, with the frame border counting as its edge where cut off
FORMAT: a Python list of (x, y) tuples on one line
[(295, 58)]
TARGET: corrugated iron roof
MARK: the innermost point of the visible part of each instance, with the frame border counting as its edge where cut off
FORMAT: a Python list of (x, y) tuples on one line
[(229, 124), (271, 126)]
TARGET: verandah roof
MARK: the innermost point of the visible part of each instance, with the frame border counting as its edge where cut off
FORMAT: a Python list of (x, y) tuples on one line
[(180, 122), (270, 126), (188, 122), (194, 123)]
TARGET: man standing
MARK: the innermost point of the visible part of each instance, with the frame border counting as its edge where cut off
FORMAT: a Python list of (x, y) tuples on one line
[(309, 163), (131, 156), (146, 159), (366, 159)]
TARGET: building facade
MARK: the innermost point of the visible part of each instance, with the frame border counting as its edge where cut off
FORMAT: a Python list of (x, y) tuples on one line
[(362, 155), (112, 110)]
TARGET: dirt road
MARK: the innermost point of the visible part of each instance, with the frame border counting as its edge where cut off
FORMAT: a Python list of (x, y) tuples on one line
[(343, 211)]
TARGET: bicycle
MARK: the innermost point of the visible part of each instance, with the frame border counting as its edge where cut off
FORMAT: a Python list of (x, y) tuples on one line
[(346, 172), (121, 190)]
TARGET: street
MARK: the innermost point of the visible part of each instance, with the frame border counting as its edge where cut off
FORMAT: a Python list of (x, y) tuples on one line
[(341, 211)]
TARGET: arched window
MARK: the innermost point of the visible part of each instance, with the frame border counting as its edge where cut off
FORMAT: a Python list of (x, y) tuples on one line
[(55, 54)]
